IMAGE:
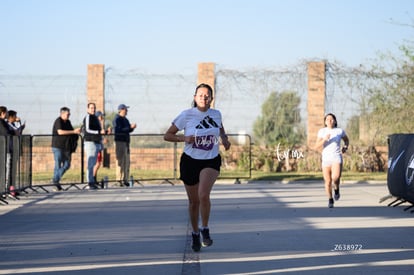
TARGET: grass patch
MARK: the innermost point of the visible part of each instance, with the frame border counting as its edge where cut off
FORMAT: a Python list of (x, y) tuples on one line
[(293, 176), (74, 175)]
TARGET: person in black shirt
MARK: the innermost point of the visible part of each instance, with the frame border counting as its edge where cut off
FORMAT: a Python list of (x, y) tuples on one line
[(7, 132), (92, 142), (122, 129), (15, 123), (17, 127), (64, 141), (5, 129)]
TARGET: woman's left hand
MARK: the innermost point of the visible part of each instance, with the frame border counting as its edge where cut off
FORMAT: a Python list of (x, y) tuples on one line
[(226, 143)]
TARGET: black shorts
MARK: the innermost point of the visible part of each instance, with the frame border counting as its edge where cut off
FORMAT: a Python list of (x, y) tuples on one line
[(190, 168)]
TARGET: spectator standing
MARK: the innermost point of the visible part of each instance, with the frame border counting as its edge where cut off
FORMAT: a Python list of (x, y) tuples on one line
[(15, 123), (4, 126), (7, 132), (64, 142), (101, 118), (92, 142), (17, 127), (122, 129), (200, 162)]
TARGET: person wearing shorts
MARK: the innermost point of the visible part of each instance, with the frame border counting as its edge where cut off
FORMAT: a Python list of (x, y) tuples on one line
[(99, 158), (330, 138), (200, 162)]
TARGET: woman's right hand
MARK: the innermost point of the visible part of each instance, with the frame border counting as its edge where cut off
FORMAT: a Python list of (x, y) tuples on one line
[(189, 139)]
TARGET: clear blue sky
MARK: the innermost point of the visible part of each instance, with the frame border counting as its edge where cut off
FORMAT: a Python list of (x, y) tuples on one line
[(162, 36)]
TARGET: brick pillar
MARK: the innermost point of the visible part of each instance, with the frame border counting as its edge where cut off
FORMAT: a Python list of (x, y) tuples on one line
[(316, 99), (206, 74), (96, 85)]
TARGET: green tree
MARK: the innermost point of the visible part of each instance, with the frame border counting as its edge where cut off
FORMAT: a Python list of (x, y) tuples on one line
[(280, 120), (390, 102), (352, 129)]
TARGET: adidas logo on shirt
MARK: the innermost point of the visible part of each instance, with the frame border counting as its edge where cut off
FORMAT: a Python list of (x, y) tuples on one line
[(207, 123)]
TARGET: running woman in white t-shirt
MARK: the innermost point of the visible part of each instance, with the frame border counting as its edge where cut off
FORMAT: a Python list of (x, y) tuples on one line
[(200, 162), (330, 138)]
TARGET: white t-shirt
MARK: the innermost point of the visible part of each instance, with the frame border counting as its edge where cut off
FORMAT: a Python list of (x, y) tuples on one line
[(205, 126), (332, 147)]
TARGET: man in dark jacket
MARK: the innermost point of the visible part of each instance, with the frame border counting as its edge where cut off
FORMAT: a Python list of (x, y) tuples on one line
[(64, 141), (122, 129), (6, 133), (92, 142)]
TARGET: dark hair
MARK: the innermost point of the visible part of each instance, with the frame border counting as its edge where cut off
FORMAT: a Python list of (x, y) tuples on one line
[(334, 117), (11, 113), (203, 85), (64, 109), (3, 109)]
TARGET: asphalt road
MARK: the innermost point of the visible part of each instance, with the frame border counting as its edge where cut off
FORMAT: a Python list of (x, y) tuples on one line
[(257, 228)]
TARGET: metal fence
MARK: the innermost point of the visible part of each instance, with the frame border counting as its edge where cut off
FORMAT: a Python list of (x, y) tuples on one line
[(15, 165), (152, 159), (239, 95), (3, 170)]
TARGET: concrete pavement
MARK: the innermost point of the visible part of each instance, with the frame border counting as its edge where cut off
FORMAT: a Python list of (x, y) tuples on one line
[(257, 228)]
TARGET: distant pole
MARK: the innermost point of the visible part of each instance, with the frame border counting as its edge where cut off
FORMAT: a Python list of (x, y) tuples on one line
[(316, 99), (206, 74)]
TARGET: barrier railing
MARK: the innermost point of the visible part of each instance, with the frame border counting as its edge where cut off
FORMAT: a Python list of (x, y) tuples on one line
[(3, 158), (15, 165), (152, 159)]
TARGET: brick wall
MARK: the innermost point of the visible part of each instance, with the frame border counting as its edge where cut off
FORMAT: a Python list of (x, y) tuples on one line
[(141, 158)]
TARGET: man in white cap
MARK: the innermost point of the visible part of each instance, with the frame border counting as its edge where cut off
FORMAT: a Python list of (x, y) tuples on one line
[(122, 129)]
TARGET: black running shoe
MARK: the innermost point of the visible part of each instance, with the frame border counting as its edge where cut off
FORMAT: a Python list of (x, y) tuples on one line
[(331, 203), (196, 246), (207, 241), (337, 195)]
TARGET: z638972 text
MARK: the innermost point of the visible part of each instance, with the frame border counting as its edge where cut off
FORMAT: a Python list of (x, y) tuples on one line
[(347, 247)]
